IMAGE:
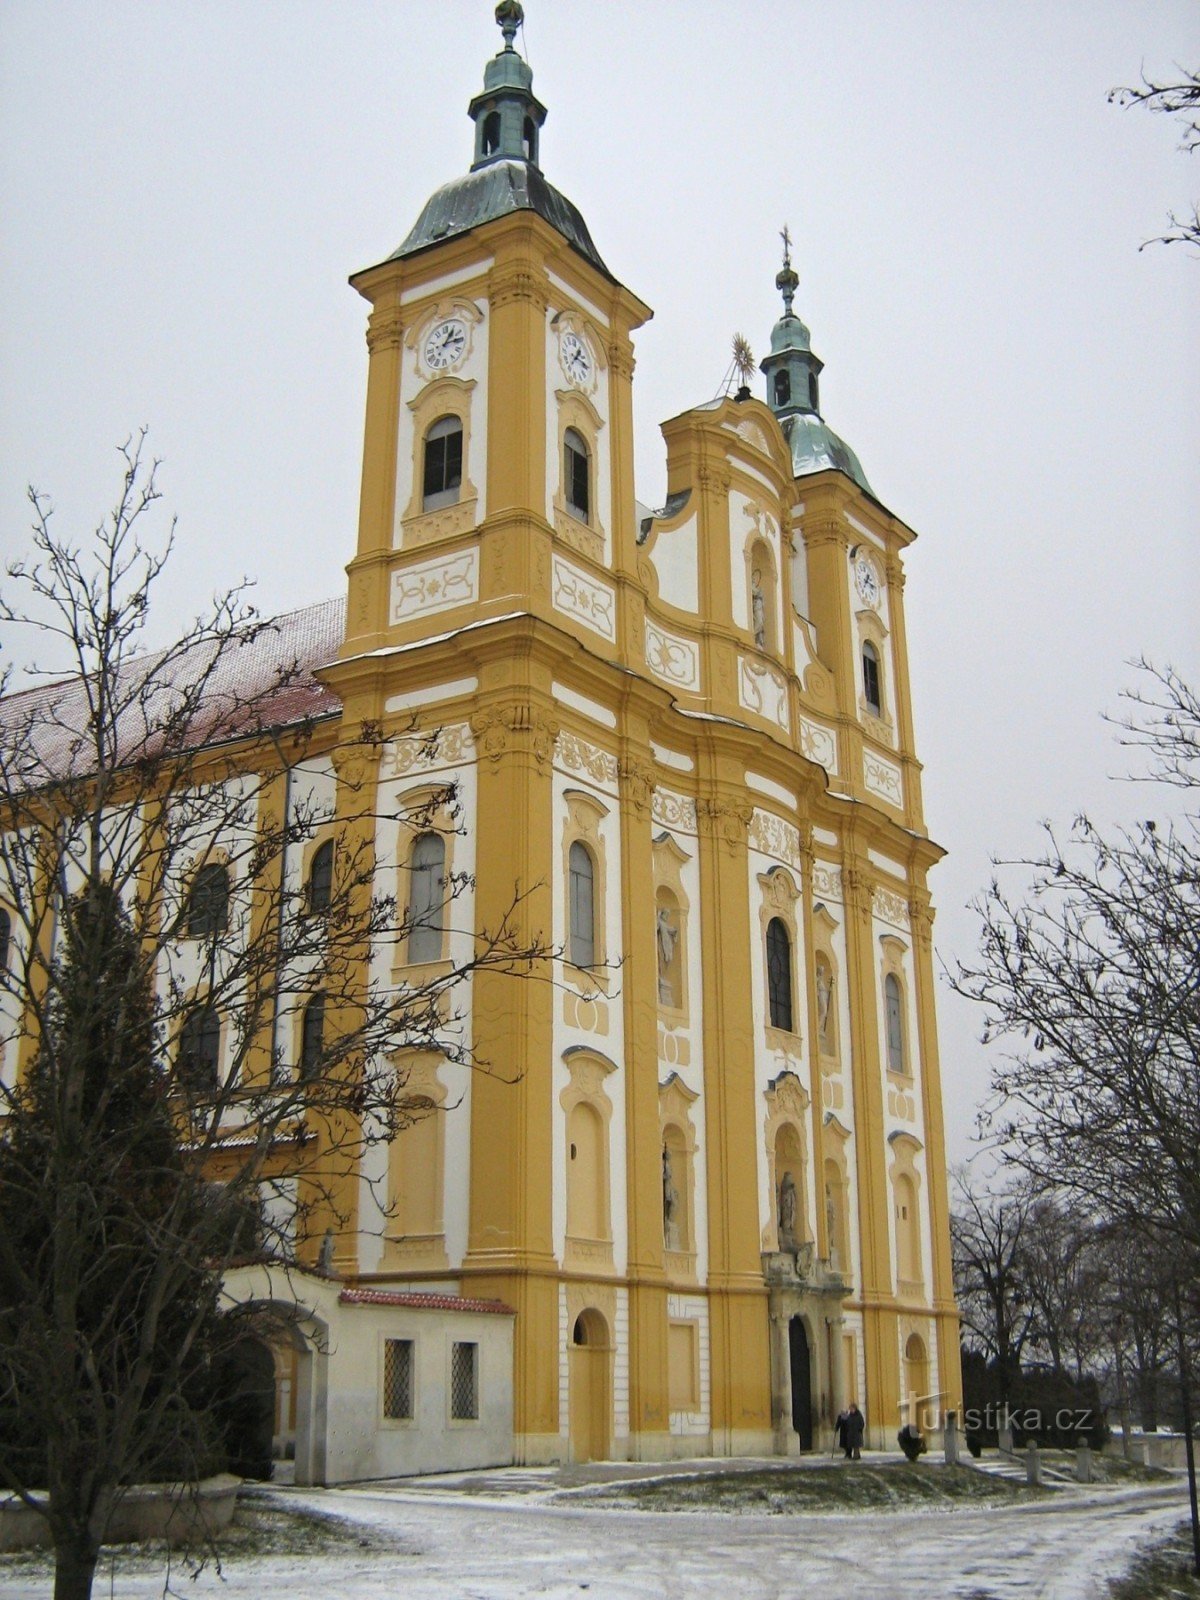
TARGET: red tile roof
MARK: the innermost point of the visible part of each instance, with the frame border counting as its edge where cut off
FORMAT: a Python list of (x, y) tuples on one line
[(263, 681), (422, 1302)]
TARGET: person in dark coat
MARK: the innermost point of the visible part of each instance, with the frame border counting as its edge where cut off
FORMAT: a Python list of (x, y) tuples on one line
[(851, 1426)]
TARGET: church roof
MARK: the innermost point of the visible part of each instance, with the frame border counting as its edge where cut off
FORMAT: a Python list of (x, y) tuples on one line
[(816, 448), (492, 191)]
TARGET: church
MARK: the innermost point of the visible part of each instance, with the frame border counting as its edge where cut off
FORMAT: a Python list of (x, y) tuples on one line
[(704, 1204)]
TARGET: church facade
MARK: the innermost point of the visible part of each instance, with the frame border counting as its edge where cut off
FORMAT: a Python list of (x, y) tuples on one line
[(704, 1170)]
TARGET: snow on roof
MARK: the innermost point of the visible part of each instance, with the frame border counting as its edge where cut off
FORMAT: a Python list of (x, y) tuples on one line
[(422, 1302), (262, 678)]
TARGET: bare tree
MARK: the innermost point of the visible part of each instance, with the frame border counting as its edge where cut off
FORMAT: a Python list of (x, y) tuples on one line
[(151, 821), (987, 1231), (1179, 98), (1090, 969)]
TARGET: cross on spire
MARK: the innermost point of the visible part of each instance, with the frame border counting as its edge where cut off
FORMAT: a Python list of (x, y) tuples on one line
[(787, 245)]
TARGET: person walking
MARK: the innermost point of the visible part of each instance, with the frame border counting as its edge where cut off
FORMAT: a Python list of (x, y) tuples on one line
[(851, 1427)]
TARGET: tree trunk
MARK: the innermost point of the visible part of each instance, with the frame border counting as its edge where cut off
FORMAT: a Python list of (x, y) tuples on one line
[(1148, 1398), (75, 1558)]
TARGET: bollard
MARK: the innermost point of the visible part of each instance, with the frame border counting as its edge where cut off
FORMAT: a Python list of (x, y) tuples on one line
[(1006, 1433), (1083, 1463), (950, 1439), (1033, 1463)]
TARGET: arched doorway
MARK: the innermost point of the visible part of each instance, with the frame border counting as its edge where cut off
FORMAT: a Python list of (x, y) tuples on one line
[(916, 1379), (589, 1397), (244, 1406), (801, 1373)]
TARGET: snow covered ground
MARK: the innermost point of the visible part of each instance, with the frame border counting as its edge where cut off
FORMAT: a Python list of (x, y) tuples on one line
[(444, 1544)]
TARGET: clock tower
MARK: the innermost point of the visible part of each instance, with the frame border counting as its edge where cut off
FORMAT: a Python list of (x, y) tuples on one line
[(699, 1153)]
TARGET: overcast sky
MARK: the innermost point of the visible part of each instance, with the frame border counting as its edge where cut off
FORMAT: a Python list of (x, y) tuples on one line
[(185, 188)]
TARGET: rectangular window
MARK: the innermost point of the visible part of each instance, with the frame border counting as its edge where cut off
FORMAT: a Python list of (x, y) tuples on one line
[(398, 1379), (464, 1382)]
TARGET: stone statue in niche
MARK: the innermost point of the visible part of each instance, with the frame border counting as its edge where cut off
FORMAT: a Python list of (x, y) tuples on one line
[(831, 1236), (670, 1203), (824, 1002), (787, 1212), (667, 937), (758, 609)]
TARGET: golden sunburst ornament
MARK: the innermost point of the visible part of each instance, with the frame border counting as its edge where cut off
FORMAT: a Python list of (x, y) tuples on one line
[(743, 359)]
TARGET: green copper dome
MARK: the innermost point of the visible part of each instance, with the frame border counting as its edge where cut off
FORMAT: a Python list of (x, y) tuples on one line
[(505, 175), (792, 371)]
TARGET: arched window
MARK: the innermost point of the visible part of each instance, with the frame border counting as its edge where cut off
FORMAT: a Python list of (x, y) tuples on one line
[(582, 904), (320, 878), (443, 463), (783, 388), (577, 475), (5, 938), (208, 902), (426, 894), (529, 140), (895, 1023), (312, 1036), (779, 974), (872, 692), (491, 133), (200, 1050)]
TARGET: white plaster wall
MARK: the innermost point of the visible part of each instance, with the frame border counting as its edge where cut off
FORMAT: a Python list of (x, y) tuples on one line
[(597, 392), (694, 1308), (768, 1062), (676, 562), (565, 1036), (742, 528), (847, 1115), (414, 378), (691, 1073), (415, 770), (361, 1443)]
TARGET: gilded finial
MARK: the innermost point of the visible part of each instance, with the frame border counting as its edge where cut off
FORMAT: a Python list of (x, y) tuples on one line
[(510, 15), (786, 281), (743, 359)]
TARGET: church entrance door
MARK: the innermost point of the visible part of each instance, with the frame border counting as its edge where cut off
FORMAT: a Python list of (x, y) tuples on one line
[(589, 1395), (801, 1371)]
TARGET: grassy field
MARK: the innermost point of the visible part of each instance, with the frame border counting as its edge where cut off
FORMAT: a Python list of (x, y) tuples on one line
[(781, 1490)]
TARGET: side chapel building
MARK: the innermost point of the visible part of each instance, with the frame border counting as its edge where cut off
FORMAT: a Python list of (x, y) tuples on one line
[(705, 1202)]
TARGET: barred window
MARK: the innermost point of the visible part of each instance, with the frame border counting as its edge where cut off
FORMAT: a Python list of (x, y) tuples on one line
[(398, 1379), (464, 1382), (208, 902)]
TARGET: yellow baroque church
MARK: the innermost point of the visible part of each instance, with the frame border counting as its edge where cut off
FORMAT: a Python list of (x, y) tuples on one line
[(702, 1202)]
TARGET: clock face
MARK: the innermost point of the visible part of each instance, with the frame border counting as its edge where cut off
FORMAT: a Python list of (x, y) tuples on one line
[(445, 344), (575, 357), (866, 581)]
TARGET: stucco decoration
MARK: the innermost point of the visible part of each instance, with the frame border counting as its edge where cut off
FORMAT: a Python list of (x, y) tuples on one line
[(430, 586), (827, 881), (671, 658), (819, 744), (892, 908), (576, 595), (883, 778), (775, 837), (763, 690), (423, 752), (588, 760), (674, 810)]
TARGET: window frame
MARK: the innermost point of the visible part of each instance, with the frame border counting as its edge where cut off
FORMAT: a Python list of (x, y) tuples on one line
[(780, 1000), (447, 431), (458, 1418), (409, 1417), (419, 920), (200, 918), (318, 886), (575, 453), (312, 1022), (204, 1020), (577, 938), (872, 675)]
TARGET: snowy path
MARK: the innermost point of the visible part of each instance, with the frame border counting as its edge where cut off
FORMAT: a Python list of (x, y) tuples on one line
[(455, 1547)]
